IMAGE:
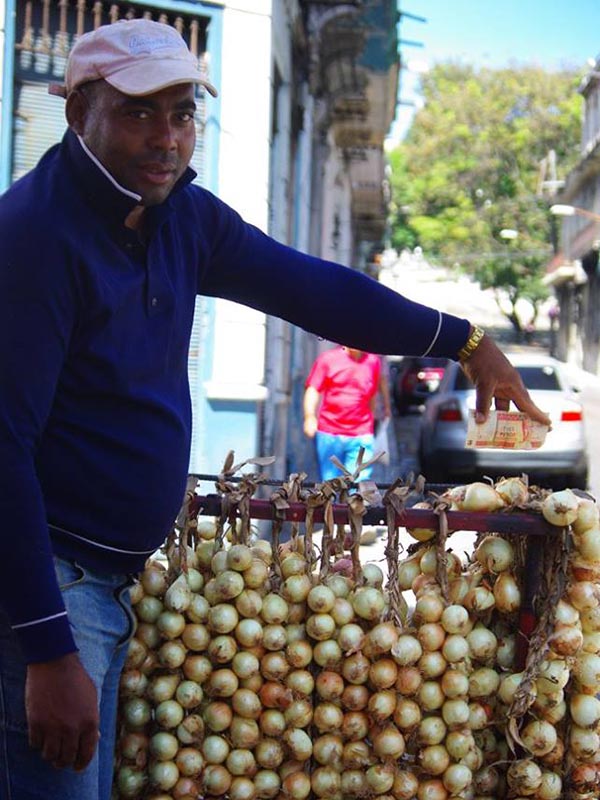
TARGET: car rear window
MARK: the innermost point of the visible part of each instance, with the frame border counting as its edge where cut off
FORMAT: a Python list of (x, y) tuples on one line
[(539, 378)]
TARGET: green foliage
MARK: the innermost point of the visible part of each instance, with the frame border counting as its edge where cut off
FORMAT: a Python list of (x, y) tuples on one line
[(470, 167)]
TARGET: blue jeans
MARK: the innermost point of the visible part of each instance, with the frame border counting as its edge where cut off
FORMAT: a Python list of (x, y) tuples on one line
[(102, 621), (346, 448)]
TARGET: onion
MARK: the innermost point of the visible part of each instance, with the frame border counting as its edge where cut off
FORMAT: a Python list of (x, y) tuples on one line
[(388, 742), (223, 617), (508, 686), (407, 714), (432, 665), (381, 705), (191, 729), (357, 755), (583, 743), (329, 685), (560, 508), (189, 694), (431, 636), (428, 608), (524, 776), (274, 609), (550, 787), (241, 762), (455, 620), (539, 737), (299, 713), (137, 712), (355, 668), (189, 762), (339, 584), (241, 789), (434, 759), (405, 785), (383, 674), (134, 747), (164, 746), (586, 671), (431, 730), (269, 753), (483, 643), (422, 534), (457, 778), (272, 722), (455, 713), (299, 654), (367, 602), (552, 675), (513, 491), (407, 650), (197, 668), (585, 710), (154, 579), (479, 715), (216, 780), (273, 695), (321, 599), (507, 593), (328, 717), (459, 743), (342, 611), (329, 749), (325, 781), (355, 697), (274, 637), (267, 784), (248, 603), (409, 680), (432, 789), (455, 648), (372, 575), (320, 626), (297, 786), (130, 781), (479, 599), (408, 570), (480, 497), (217, 716), (566, 641), (454, 683), (350, 638), (588, 544), (249, 632), (355, 725), (133, 683), (327, 654), (505, 655), (380, 778), (299, 744), (215, 749), (354, 783), (584, 780), (483, 682), (430, 696), (495, 554)]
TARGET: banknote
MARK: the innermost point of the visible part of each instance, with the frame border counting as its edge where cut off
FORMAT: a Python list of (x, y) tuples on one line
[(509, 430)]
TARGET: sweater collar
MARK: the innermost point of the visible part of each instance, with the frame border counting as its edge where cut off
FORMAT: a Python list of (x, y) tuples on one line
[(105, 194)]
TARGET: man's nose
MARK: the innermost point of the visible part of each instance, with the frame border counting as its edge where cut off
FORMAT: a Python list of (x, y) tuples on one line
[(163, 134)]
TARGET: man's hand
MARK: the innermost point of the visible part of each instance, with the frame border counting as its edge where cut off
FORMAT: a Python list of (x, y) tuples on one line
[(495, 377), (62, 711)]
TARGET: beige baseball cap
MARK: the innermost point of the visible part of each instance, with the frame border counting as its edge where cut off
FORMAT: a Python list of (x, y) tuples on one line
[(137, 57)]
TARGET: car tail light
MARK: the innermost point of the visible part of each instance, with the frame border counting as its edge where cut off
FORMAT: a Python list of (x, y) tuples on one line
[(449, 414), (571, 416)]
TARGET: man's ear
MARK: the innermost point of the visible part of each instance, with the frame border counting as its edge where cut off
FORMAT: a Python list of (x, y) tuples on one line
[(76, 111)]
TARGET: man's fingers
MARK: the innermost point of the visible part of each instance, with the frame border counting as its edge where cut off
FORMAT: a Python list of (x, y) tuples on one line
[(87, 748), (501, 404), (483, 401)]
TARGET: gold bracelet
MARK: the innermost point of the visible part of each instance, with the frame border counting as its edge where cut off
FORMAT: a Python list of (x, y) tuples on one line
[(472, 343)]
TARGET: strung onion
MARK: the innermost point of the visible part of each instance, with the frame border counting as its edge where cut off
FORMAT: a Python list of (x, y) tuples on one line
[(388, 742), (434, 759), (130, 781), (244, 733), (409, 680), (381, 705), (241, 789), (431, 730), (216, 780), (350, 638), (585, 710), (455, 648), (355, 725), (299, 654), (507, 594), (164, 746), (407, 650), (539, 737), (241, 762), (455, 713), (328, 717), (248, 603), (495, 554), (357, 755), (197, 668), (329, 685), (407, 714), (483, 682), (431, 636), (456, 778), (223, 617), (272, 722), (432, 665), (217, 716), (355, 668), (368, 602), (560, 508), (195, 636), (454, 683), (267, 784), (297, 786), (189, 761), (405, 785), (222, 649), (355, 697), (299, 744), (191, 729), (328, 749), (137, 712), (327, 654), (215, 749), (274, 609), (455, 620), (524, 776), (164, 774), (269, 753), (480, 496)]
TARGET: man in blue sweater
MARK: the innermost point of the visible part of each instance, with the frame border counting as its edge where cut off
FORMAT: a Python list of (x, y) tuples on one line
[(103, 248)]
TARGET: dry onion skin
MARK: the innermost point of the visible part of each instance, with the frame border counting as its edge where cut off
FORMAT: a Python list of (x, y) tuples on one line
[(247, 683)]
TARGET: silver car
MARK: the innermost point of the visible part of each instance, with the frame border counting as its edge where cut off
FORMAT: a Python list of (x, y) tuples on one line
[(560, 462)]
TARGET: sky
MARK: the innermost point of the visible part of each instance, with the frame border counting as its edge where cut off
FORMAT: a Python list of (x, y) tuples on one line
[(551, 33)]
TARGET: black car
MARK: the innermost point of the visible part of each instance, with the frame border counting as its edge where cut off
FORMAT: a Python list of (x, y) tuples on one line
[(414, 379)]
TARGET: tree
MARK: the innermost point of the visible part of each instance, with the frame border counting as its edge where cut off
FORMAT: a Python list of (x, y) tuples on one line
[(469, 168)]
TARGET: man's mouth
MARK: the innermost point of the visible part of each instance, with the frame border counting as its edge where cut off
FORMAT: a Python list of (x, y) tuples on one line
[(158, 174)]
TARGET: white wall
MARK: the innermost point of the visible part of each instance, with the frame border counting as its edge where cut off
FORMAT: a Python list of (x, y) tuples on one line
[(239, 334)]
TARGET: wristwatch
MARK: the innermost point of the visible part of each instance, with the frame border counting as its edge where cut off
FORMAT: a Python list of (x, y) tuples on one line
[(472, 343)]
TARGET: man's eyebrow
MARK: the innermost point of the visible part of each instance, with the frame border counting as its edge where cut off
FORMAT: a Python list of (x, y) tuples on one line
[(146, 102)]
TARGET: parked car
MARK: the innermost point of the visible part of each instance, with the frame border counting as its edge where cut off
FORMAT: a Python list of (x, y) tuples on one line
[(416, 379), (560, 462)]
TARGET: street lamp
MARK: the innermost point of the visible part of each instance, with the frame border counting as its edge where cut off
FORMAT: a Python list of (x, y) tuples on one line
[(561, 210)]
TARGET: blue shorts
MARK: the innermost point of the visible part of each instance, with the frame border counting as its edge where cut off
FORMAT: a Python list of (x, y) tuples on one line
[(346, 448)]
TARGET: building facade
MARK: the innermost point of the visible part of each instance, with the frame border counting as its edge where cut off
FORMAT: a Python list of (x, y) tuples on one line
[(574, 272)]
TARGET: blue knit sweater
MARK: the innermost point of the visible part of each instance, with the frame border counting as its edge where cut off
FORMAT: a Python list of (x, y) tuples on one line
[(95, 410)]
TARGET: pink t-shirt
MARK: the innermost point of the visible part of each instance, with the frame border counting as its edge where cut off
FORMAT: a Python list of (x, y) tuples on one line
[(347, 386)]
